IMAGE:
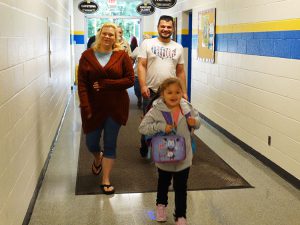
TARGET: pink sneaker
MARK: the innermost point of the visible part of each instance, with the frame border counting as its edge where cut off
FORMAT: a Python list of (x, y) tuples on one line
[(181, 221), (161, 213)]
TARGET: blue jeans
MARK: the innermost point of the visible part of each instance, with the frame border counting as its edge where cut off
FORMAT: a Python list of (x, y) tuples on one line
[(137, 89), (146, 101), (110, 129), (144, 145)]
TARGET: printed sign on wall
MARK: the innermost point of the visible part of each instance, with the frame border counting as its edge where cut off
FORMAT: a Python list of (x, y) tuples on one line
[(88, 7), (163, 4), (145, 9), (206, 35)]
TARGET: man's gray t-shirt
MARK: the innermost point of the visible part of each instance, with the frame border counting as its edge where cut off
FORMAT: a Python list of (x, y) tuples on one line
[(162, 59)]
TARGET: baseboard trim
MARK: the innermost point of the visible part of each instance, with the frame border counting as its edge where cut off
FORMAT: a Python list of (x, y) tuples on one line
[(29, 211), (277, 169)]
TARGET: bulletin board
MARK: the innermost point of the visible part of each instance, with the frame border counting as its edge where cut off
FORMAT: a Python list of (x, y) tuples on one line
[(206, 35)]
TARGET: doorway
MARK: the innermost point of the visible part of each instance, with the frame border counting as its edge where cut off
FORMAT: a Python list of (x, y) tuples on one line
[(131, 26)]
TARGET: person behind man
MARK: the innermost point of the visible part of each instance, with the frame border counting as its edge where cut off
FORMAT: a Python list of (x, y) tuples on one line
[(104, 75), (133, 43), (159, 58), (92, 40), (123, 43), (134, 57)]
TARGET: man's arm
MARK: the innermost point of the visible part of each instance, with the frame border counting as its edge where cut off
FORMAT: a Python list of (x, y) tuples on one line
[(142, 68), (181, 75)]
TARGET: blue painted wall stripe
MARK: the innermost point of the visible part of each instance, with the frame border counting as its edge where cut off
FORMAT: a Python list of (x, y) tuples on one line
[(185, 40), (77, 39), (281, 44)]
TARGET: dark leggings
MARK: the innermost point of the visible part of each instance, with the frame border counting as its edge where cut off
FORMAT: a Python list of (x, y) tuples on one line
[(180, 188)]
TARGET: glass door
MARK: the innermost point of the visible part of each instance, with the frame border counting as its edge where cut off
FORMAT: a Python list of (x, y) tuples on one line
[(131, 26)]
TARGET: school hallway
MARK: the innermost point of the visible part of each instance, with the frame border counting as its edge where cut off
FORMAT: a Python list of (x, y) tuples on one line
[(272, 201)]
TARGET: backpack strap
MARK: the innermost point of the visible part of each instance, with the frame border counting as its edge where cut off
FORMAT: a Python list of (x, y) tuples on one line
[(191, 129), (169, 120), (187, 116), (168, 117)]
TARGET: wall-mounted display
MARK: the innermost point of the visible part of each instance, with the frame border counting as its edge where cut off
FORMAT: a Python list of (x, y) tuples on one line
[(88, 7), (145, 9), (163, 4), (206, 35)]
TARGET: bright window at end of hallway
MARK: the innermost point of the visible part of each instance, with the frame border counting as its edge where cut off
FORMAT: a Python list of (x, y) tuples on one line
[(120, 12)]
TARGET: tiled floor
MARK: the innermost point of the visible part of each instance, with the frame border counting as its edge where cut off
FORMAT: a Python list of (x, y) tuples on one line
[(273, 201)]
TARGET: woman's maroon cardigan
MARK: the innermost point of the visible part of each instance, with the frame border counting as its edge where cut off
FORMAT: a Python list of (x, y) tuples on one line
[(112, 99)]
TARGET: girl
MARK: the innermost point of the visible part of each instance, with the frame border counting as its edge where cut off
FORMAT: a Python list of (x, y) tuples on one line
[(171, 100)]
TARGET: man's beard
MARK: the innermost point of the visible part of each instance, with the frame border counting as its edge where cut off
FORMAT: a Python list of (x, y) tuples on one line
[(165, 37)]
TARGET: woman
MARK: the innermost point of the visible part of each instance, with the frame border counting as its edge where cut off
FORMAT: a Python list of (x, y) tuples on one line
[(104, 74), (124, 45)]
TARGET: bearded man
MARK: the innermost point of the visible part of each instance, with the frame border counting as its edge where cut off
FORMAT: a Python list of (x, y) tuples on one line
[(159, 58)]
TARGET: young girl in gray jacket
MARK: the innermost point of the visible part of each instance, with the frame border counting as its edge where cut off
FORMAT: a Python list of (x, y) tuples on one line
[(154, 122)]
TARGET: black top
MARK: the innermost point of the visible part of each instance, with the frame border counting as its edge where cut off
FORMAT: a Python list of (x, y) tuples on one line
[(91, 41)]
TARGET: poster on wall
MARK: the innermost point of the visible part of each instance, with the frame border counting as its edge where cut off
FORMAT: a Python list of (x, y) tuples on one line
[(206, 35)]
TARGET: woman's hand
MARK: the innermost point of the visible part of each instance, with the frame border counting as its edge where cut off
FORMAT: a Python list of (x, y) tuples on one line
[(97, 86)]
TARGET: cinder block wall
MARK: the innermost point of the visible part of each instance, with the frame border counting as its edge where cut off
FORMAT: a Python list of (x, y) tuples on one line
[(252, 89), (32, 96)]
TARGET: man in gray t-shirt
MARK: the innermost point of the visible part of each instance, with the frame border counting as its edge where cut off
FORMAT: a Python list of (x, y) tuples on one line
[(160, 58)]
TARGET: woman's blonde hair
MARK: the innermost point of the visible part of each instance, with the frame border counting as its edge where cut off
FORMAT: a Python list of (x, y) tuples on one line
[(167, 82), (116, 46)]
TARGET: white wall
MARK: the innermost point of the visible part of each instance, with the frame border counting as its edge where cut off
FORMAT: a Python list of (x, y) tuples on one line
[(31, 102), (251, 96), (79, 26)]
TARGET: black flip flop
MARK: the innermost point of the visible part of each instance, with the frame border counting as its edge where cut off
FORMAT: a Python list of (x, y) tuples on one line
[(96, 170), (102, 186)]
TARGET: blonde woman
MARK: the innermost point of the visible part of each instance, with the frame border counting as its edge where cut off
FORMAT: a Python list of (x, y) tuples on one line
[(104, 74), (124, 45)]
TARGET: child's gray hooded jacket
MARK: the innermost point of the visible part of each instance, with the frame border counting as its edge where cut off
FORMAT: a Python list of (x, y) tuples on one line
[(154, 122)]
